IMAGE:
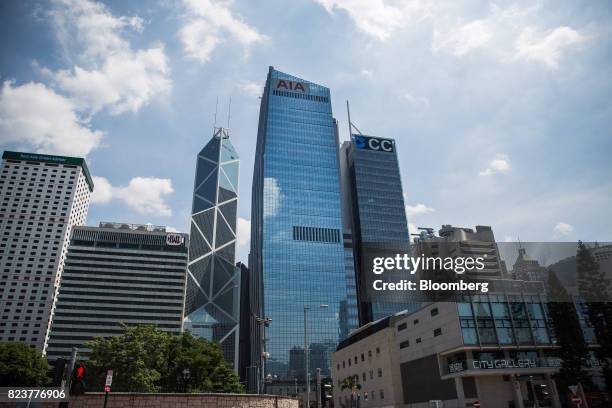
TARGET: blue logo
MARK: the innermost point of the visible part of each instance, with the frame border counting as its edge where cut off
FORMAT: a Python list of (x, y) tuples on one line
[(360, 142)]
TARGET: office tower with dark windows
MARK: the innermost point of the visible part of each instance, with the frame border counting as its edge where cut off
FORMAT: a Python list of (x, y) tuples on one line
[(118, 273), (374, 215), (212, 304), (464, 242), (42, 198), (297, 255)]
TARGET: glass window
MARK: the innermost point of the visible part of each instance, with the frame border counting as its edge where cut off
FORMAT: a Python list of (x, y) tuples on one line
[(482, 309), (465, 309)]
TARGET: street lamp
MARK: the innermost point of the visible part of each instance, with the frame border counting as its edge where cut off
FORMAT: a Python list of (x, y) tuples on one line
[(263, 322), (186, 376), (306, 308)]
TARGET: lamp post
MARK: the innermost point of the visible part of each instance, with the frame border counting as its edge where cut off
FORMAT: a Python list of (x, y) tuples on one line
[(306, 308), (186, 376), (263, 322)]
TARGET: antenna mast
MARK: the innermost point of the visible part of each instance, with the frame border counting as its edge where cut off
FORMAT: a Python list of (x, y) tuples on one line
[(229, 112)]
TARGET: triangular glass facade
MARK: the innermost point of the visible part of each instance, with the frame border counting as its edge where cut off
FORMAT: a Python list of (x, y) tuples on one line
[(212, 293)]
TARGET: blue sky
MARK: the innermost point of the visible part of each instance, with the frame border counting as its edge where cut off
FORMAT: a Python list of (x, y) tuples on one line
[(502, 112)]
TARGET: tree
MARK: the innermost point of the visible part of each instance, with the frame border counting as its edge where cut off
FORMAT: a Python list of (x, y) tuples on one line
[(146, 359), (138, 358), (198, 365), (22, 365), (594, 289), (351, 383), (567, 330)]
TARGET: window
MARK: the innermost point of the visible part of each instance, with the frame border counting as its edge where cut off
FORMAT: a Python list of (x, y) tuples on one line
[(380, 372), (362, 357), (416, 321), (382, 394), (377, 351), (402, 326), (404, 344), (434, 311), (418, 340), (437, 332)]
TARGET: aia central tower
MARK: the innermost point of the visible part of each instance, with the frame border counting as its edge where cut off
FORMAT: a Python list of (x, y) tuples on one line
[(297, 254)]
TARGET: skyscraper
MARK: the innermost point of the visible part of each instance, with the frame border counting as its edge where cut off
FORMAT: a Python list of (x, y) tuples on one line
[(297, 265), (212, 309), (375, 214), (115, 273), (43, 197)]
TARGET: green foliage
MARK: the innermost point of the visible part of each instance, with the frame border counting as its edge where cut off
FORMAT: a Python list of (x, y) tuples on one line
[(22, 365), (146, 359), (568, 332)]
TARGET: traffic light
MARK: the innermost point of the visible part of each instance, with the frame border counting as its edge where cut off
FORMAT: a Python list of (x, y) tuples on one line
[(77, 385), (327, 391)]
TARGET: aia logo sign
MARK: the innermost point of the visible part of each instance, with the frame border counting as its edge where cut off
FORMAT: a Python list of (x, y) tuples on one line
[(287, 85), (373, 143)]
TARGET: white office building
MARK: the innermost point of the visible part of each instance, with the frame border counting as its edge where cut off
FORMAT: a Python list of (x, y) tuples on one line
[(42, 198)]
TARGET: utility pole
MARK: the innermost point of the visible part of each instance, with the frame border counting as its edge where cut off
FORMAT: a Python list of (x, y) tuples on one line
[(306, 358)]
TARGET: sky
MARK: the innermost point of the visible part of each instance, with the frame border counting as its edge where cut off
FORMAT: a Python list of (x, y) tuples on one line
[(501, 112)]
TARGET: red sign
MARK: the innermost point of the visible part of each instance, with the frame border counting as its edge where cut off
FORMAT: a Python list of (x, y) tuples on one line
[(476, 404), (577, 400), (107, 389)]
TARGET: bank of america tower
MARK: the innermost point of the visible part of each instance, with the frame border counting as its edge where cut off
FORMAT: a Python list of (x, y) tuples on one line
[(297, 254)]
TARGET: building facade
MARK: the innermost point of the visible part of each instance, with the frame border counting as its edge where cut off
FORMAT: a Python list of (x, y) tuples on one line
[(464, 242), (297, 256), (375, 213), (212, 296), (496, 348), (43, 197), (118, 273)]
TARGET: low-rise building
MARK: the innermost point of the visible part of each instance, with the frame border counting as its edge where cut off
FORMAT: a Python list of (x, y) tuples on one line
[(495, 348)]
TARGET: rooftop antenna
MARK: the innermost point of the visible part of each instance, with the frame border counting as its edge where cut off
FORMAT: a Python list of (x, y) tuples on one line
[(351, 125), (216, 108), (229, 111)]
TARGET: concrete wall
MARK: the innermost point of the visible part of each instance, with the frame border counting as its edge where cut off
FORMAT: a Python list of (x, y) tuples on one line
[(134, 400)]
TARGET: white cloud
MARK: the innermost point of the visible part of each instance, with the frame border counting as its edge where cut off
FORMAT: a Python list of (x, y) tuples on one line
[(253, 89), (243, 237), (208, 23), (367, 74), (103, 190), (460, 40), (562, 229), (499, 165), (145, 195), (418, 209), (94, 90), (412, 229), (110, 73), (89, 26), (376, 18), (34, 115), (546, 47), (416, 101)]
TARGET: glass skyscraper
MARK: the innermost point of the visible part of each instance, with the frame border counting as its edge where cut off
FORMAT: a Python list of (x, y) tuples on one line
[(374, 211), (297, 254), (212, 309)]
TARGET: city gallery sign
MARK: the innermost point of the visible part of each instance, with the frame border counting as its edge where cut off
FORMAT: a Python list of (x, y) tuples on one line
[(287, 85)]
